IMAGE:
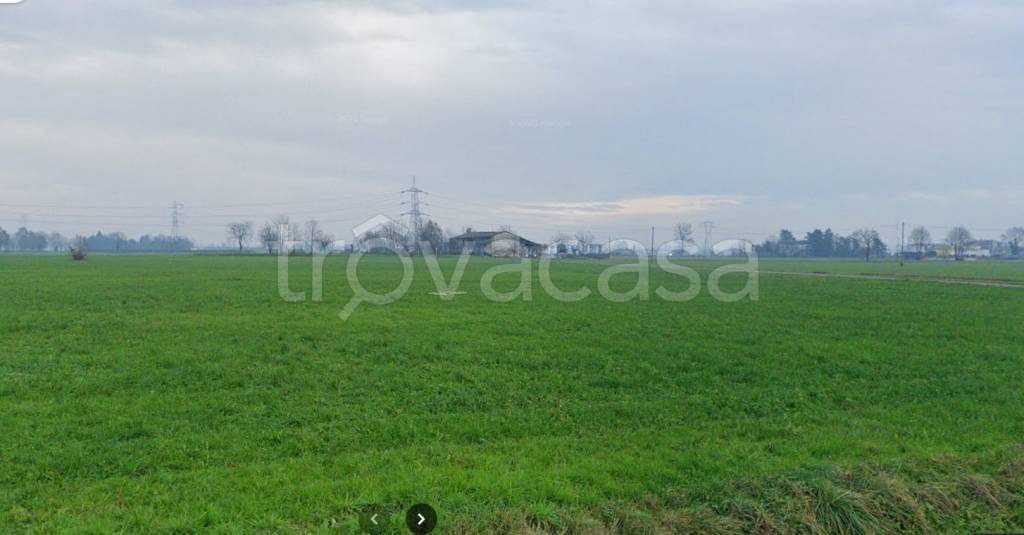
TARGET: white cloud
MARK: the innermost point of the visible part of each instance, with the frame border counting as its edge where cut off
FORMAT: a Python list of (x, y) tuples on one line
[(681, 205)]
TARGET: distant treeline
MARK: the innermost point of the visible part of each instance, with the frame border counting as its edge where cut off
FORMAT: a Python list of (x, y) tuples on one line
[(28, 240), (824, 244), (146, 243)]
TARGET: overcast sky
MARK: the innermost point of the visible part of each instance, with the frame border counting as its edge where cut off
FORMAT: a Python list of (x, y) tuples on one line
[(548, 116)]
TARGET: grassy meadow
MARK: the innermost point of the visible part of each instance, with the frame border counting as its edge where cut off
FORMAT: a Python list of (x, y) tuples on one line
[(1008, 271), (181, 394)]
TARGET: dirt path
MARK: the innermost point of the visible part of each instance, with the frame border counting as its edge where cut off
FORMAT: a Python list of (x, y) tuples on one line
[(860, 276)]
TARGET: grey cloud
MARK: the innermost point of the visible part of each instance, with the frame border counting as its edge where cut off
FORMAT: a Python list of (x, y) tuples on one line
[(783, 103)]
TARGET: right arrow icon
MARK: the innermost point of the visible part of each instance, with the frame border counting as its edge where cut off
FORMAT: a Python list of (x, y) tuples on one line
[(421, 519)]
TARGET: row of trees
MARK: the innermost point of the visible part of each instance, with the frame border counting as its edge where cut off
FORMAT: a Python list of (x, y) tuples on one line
[(867, 242), (577, 244), (28, 240), (1014, 237), (825, 243), (280, 231), (119, 242), (311, 237), (958, 238), (437, 240)]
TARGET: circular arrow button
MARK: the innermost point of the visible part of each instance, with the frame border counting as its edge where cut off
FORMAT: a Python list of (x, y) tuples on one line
[(374, 519), (421, 519)]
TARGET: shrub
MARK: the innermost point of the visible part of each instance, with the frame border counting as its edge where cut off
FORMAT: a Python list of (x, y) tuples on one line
[(78, 251)]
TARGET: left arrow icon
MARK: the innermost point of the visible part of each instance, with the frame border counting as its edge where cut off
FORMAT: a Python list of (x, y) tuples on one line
[(373, 519)]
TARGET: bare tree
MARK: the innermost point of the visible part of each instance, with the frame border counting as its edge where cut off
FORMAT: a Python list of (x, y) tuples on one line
[(433, 235), (240, 233), (324, 241), (560, 237), (1014, 237), (393, 234), (287, 231), (958, 238), (866, 238), (269, 236), (57, 242), (920, 238), (21, 239), (561, 242), (313, 234), (583, 239), (120, 239), (450, 246), (684, 233), (5, 240)]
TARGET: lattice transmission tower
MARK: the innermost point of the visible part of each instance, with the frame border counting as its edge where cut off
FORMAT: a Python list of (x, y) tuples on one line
[(708, 227), (415, 212), (177, 218)]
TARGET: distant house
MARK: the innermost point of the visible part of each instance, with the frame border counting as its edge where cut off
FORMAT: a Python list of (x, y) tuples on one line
[(940, 250), (982, 248), (973, 249), (573, 247), (497, 243), (793, 248)]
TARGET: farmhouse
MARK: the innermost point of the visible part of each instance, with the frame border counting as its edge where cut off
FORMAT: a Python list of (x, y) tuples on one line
[(575, 248), (497, 243), (984, 248), (973, 249)]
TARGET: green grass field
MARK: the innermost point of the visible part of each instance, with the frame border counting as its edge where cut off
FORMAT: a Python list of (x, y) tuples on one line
[(181, 394), (1011, 271)]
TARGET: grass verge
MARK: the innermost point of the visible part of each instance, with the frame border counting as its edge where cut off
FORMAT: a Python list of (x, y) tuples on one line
[(941, 495)]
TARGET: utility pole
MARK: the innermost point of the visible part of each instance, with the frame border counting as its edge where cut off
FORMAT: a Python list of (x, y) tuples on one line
[(176, 218), (903, 233), (415, 212), (708, 227), (652, 242)]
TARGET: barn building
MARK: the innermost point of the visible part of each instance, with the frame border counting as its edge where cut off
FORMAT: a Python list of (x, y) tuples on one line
[(497, 243)]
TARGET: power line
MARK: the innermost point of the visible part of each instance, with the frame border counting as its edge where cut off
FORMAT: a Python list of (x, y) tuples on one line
[(903, 232), (200, 206), (208, 215)]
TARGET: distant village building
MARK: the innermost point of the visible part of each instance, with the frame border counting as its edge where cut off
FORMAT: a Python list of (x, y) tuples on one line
[(575, 248), (982, 248), (794, 248), (974, 249), (497, 243), (941, 250)]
